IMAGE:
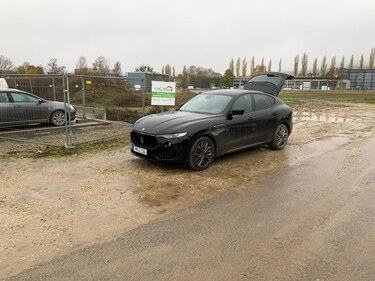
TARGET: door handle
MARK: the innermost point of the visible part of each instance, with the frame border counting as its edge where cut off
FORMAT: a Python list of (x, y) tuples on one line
[(274, 114), (250, 119)]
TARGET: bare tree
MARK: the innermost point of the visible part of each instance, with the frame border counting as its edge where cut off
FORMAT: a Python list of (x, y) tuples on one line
[(54, 68), (323, 67), (372, 59), (315, 68), (280, 64), (81, 66), (351, 62), (244, 67), (304, 62), (101, 66), (231, 65), (296, 63), (269, 65), (361, 62), (117, 69), (238, 67), (6, 64)]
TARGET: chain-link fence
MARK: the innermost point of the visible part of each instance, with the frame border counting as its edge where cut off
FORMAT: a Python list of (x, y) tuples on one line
[(104, 108)]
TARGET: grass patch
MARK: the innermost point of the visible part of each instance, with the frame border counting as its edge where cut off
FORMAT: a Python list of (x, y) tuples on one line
[(94, 147), (313, 97)]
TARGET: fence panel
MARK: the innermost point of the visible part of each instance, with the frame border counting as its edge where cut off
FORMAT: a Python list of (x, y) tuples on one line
[(105, 108)]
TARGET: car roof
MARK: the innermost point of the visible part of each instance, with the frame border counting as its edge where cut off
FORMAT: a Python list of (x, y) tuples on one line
[(231, 92)]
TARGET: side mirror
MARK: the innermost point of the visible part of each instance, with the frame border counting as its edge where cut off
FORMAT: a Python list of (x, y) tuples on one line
[(40, 101), (237, 111)]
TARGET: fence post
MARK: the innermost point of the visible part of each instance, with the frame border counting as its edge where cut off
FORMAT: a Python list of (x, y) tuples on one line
[(31, 86), (53, 88), (83, 96), (68, 125)]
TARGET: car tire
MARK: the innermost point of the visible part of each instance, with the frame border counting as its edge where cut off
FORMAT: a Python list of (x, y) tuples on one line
[(201, 154), (58, 118), (280, 137)]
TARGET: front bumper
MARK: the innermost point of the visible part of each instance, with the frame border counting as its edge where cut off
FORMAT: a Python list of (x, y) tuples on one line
[(160, 149)]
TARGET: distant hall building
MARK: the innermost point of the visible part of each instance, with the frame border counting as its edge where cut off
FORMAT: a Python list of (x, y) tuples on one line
[(360, 78)]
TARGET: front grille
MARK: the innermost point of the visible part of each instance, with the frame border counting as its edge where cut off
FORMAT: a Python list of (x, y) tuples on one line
[(143, 140)]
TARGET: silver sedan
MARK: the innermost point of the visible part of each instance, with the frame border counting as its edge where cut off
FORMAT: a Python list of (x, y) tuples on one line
[(18, 107)]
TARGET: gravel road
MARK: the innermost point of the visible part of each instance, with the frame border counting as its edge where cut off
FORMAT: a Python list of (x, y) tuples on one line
[(306, 210)]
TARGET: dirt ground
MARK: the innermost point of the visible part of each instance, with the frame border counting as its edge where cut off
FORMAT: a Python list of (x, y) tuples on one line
[(50, 206)]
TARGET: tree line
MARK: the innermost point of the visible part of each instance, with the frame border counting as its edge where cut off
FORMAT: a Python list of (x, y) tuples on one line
[(101, 66), (201, 77)]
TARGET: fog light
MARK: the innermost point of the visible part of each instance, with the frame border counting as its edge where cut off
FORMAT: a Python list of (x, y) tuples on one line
[(168, 144)]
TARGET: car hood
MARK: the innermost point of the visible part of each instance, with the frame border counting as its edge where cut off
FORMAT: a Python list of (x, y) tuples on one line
[(169, 122), (58, 104), (268, 82)]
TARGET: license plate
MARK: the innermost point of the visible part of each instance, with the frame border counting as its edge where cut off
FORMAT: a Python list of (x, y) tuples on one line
[(140, 150)]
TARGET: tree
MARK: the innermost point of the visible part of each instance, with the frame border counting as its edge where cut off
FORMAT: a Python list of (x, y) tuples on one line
[(26, 68), (260, 69), (6, 65), (315, 68), (351, 62), (54, 68), (252, 65), (332, 68), (227, 79), (372, 59), (202, 77), (323, 67), (296, 62), (262, 63), (168, 70), (144, 68), (304, 63), (342, 65), (280, 64), (231, 65), (270, 65), (238, 67), (81, 66), (244, 67), (101, 66), (174, 72), (162, 70), (117, 69), (361, 62), (184, 78)]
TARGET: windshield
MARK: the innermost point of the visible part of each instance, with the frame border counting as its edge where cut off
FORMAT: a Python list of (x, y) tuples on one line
[(211, 104)]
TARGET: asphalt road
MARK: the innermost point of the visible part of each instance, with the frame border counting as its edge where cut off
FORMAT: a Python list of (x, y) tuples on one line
[(313, 221)]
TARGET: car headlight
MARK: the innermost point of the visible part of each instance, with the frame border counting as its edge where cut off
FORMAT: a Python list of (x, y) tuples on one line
[(174, 136)]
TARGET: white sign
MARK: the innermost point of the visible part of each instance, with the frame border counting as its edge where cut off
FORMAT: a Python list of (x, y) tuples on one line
[(163, 93)]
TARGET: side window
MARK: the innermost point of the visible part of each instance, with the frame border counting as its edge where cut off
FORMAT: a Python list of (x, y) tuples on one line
[(3, 98), (243, 102), (263, 101), (20, 97)]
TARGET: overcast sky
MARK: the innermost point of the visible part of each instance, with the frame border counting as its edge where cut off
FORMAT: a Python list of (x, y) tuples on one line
[(205, 33)]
